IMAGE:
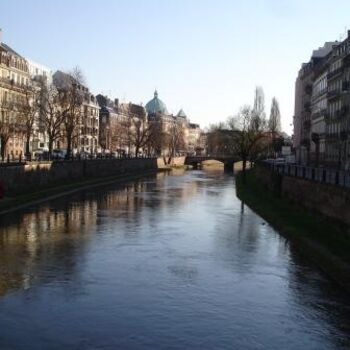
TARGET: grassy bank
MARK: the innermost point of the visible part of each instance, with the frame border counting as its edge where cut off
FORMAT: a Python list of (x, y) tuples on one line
[(10, 204), (325, 242)]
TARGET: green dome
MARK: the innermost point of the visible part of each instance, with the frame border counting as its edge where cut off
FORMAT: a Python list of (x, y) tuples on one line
[(156, 105)]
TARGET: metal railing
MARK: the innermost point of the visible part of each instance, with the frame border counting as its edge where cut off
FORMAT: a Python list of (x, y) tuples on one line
[(322, 175)]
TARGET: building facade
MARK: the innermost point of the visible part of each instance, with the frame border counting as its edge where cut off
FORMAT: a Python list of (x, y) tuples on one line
[(318, 103), (40, 79), (85, 139), (14, 82), (173, 127)]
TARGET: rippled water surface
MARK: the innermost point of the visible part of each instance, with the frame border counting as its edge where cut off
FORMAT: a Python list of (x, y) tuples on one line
[(168, 262)]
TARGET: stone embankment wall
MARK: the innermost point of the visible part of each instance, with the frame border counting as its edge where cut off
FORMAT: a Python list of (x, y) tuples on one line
[(33, 176), (329, 200)]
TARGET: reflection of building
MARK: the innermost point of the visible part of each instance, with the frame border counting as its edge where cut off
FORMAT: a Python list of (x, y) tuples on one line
[(35, 242), (14, 81)]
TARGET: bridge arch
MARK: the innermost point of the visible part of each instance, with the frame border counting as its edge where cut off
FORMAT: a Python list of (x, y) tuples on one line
[(226, 160)]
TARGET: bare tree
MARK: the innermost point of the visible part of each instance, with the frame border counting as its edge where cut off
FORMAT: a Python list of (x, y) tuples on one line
[(247, 136), (275, 122), (119, 134), (70, 100), (175, 139), (53, 115), (156, 140), (8, 122), (258, 113), (275, 117), (141, 132), (28, 109), (219, 139)]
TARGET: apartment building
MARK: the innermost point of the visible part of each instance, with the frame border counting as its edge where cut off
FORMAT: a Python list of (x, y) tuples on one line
[(14, 81)]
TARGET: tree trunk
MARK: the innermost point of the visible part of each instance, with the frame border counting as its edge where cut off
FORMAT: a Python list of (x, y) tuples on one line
[(3, 148), (27, 145), (244, 170), (50, 147), (69, 146)]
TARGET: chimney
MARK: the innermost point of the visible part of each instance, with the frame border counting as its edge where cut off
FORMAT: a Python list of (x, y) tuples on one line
[(348, 34), (116, 102)]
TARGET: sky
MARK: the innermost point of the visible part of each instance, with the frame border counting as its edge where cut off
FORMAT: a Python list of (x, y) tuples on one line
[(205, 56)]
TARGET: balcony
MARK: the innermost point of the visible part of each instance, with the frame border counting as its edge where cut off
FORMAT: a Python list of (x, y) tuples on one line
[(346, 61), (316, 115), (315, 137), (12, 85), (307, 107), (345, 86), (342, 112), (332, 94), (335, 74)]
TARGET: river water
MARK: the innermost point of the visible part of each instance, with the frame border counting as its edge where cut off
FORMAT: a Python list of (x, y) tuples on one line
[(167, 262)]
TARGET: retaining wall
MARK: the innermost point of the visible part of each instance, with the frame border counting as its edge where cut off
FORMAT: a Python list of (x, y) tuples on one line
[(27, 177), (330, 200)]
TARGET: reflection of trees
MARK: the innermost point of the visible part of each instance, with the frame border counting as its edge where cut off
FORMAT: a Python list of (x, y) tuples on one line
[(43, 244), (47, 243), (320, 297)]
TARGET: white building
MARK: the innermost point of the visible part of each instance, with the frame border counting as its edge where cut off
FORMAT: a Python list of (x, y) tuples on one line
[(39, 74)]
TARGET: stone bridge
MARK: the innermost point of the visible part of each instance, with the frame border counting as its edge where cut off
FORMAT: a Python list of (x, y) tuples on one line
[(228, 161)]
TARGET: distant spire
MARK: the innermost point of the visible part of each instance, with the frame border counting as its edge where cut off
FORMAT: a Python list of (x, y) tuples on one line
[(155, 93)]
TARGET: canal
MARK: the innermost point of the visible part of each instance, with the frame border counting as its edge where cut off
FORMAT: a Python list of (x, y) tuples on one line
[(167, 262)]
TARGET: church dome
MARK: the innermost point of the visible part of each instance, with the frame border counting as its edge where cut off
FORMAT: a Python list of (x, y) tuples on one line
[(156, 105)]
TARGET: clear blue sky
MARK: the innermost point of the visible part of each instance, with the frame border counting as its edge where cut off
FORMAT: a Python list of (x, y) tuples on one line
[(203, 56)]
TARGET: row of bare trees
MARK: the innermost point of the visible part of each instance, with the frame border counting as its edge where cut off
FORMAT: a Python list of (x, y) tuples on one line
[(55, 110), (150, 137), (248, 134)]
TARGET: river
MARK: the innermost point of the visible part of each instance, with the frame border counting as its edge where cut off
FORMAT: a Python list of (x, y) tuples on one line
[(167, 262)]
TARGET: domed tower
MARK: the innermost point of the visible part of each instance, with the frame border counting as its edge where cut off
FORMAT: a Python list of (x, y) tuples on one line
[(181, 114), (156, 106)]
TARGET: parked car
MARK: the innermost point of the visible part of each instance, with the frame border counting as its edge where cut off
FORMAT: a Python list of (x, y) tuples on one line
[(84, 155), (41, 155), (59, 153)]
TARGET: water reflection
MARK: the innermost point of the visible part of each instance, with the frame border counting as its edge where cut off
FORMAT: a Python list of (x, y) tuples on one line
[(172, 261)]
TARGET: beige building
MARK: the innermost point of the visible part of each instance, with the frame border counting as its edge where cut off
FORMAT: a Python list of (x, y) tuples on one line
[(117, 126), (14, 80), (89, 127), (179, 124), (86, 133), (41, 78), (193, 140)]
